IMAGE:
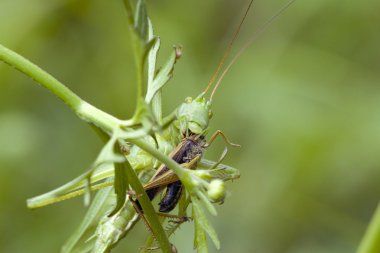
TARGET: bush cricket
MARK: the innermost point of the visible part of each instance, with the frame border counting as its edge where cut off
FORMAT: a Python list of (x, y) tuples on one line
[(185, 138), (193, 143)]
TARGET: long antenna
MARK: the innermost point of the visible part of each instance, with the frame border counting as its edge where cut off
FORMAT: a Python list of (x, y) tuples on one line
[(249, 43), (228, 50)]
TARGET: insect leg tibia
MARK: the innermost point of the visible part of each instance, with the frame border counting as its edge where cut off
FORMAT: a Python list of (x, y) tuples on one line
[(219, 132), (173, 248), (227, 141), (138, 209), (178, 219)]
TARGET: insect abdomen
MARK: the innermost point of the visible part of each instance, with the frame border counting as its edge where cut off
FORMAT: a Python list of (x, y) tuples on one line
[(172, 195)]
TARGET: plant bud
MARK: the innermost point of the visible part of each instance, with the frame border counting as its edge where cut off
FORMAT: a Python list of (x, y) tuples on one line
[(204, 174), (216, 191)]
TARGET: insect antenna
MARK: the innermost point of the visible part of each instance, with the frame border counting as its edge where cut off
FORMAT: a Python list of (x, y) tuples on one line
[(228, 50), (256, 34)]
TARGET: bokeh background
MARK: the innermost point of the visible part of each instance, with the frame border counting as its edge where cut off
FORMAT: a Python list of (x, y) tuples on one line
[(303, 101)]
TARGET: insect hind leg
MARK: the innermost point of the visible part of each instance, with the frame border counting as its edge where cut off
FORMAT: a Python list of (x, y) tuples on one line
[(178, 219), (226, 140), (181, 219), (173, 248)]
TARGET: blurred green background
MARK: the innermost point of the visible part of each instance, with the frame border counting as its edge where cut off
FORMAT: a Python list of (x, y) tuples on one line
[(303, 101)]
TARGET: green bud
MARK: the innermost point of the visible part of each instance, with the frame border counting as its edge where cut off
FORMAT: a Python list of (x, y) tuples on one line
[(204, 174), (216, 190)]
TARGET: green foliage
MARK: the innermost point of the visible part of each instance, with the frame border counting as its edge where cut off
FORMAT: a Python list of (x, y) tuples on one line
[(302, 102)]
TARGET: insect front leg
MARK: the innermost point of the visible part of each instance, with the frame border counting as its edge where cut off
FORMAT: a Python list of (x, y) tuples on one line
[(226, 140)]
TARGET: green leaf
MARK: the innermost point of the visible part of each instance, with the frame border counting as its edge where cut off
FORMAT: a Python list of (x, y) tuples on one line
[(183, 203), (78, 241), (149, 212), (148, 48), (90, 180), (152, 59), (202, 226), (141, 21), (87, 192), (222, 171), (200, 239), (75, 187), (121, 182), (108, 155), (206, 202), (143, 115), (128, 7), (163, 76)]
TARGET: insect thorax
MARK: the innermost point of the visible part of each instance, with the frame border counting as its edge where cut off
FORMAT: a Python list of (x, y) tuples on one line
[(196, 146)]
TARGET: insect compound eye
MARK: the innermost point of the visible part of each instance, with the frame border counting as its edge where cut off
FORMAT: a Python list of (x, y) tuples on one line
[(210, 114)]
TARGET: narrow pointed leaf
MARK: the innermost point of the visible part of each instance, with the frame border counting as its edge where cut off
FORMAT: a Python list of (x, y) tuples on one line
[(152, 59), (203, 223), (84, 181), (121, 182), (74, 188), (141, 20), (163, 76), (222, 171), (128, 7), (200, 239), (78, 241), (206, 202)]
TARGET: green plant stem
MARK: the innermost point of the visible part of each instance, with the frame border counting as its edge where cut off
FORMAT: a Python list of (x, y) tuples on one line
[(371, 240), (148, 243), (98, 117), (181, 172), (40, 76), (149, 212), (83, 109)]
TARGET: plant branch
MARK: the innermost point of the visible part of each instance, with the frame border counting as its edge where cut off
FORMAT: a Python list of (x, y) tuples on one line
[(83, 109), (149, 212), (181, 172)]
